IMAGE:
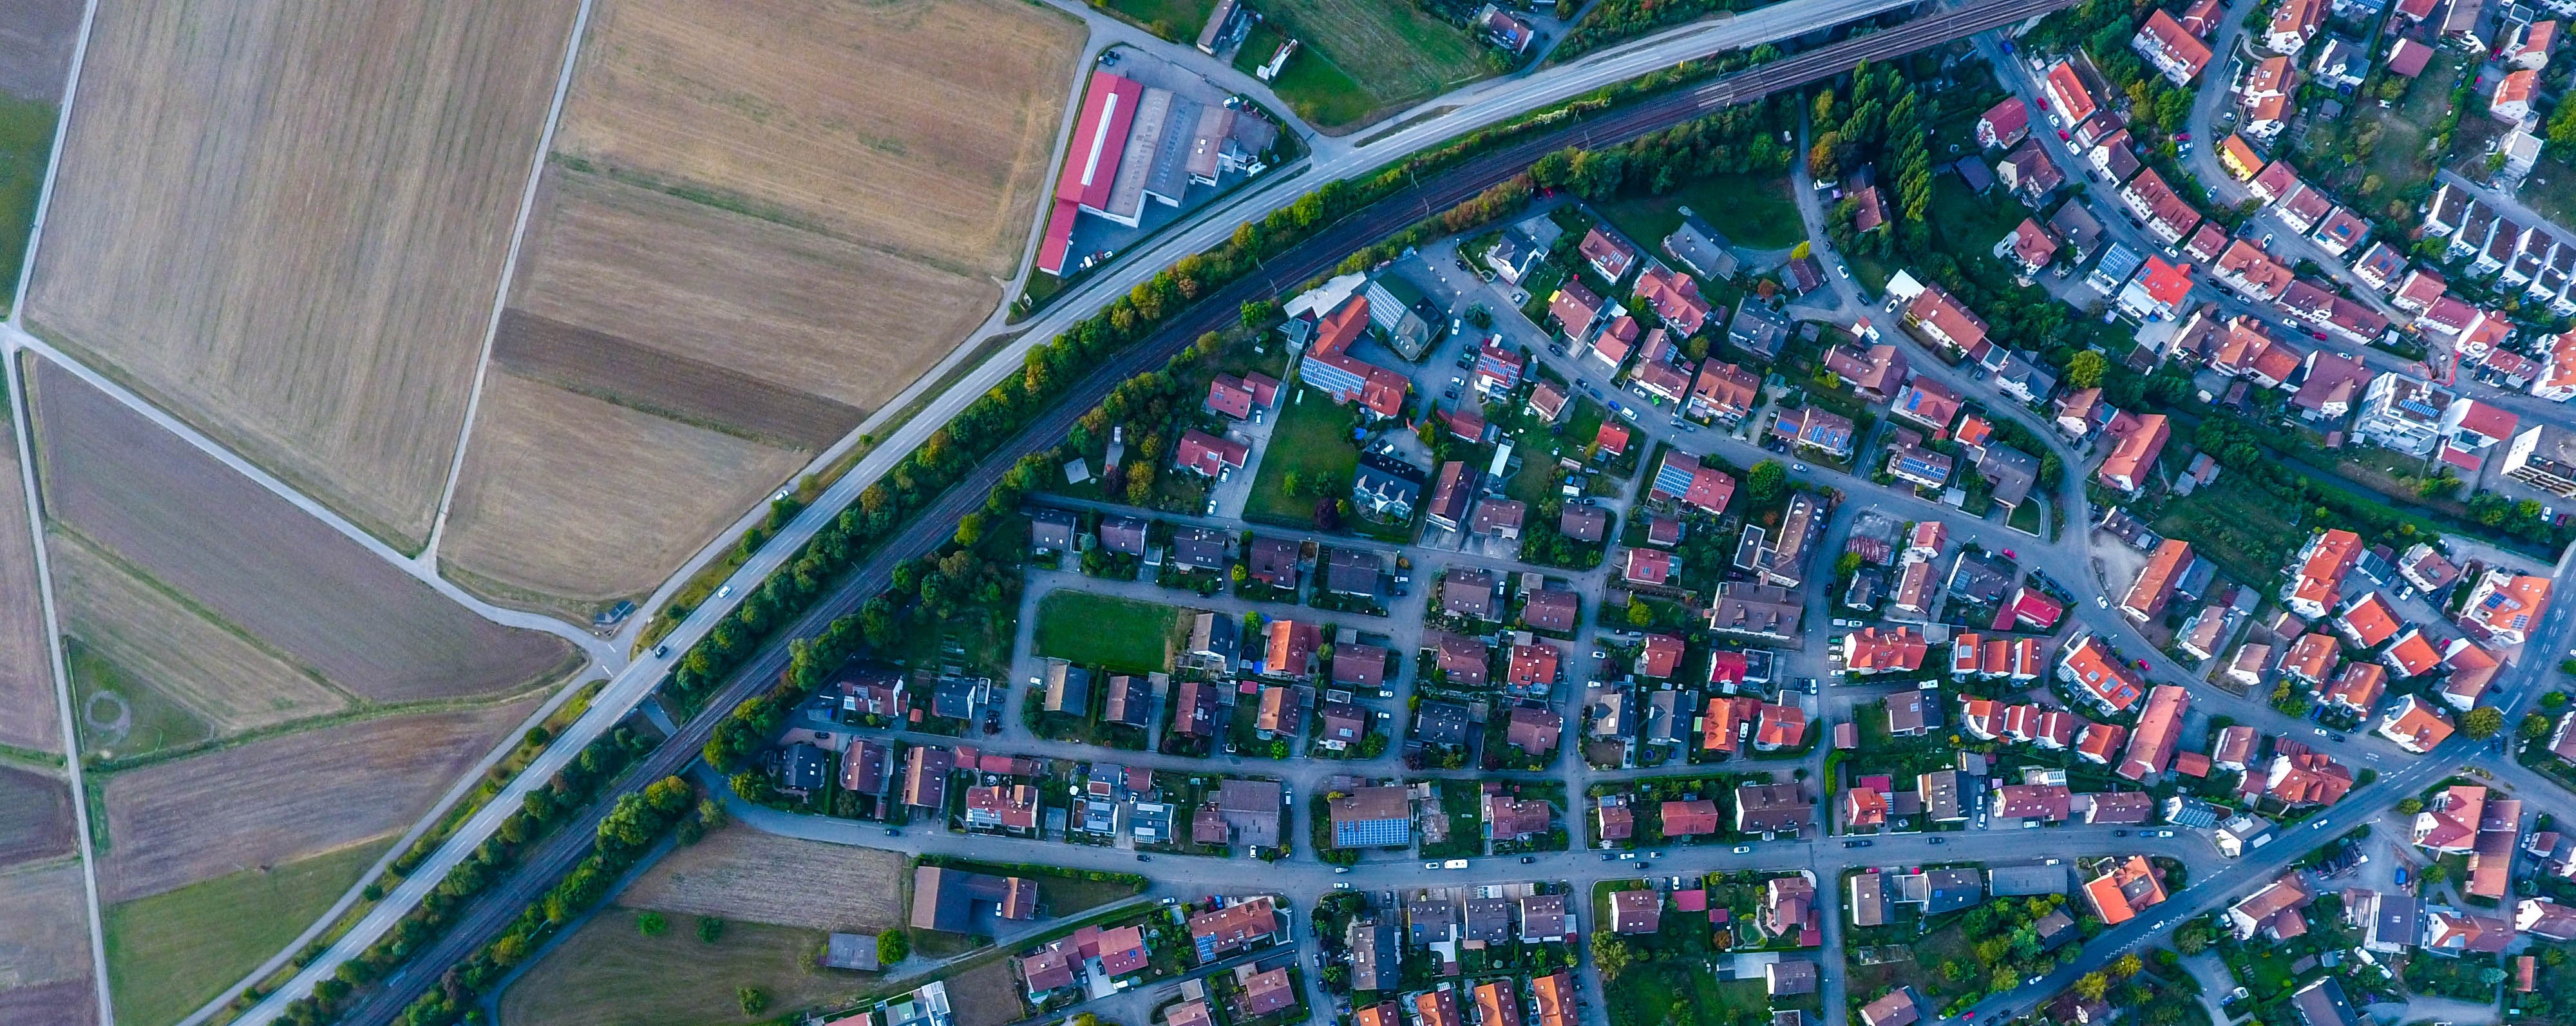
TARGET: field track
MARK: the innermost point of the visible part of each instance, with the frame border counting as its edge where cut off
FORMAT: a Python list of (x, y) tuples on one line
[(282, 576), (317, 198), (36, 39), (569, 496), (28, 718), (35, 818), (742, 873), (272, 801)]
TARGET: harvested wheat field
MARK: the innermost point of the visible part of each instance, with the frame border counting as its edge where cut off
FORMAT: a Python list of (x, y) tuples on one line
[(28, 718), (316, 199), (36, 40), (249, 558), (922, 127), (753, 318), (533, 514), (35, 817), (275, 800), (741, 873), (158, 642), (44, 955)]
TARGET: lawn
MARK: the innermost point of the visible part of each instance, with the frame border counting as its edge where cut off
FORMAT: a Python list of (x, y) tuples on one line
[(1101, 630), (2396, 160), (1752, 210), (169, 953), (1313, 441), (2551, 190), (2236, 523), (1364, 59), (1670, 991), (1964, 222), (609, 974), (1175, 20), (26, 138)]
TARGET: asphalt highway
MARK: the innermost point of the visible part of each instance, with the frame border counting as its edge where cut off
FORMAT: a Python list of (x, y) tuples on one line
[(930, 527)]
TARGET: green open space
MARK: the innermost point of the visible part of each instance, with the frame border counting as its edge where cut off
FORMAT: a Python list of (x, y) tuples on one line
[(1669, 992), (1362, 59), (2373, 157), (169, 953), (1175, 20), (2236, 523), (1752, 210), (1312, 441), (1106, 631), (149, 721), (608, 973), (26, 140)]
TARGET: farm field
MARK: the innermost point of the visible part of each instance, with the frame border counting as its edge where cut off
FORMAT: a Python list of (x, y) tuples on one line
[(35, 817), (177, 822), (1100, 630), (157, 644), (321, 234), (36, 39), (121, 717), (170, 953), (569, 502), (744, 874), (242, 555), (761, 222), (27, 716), (986, 995), (1388, 56), (609, 974), (919, 127), (44, 955)]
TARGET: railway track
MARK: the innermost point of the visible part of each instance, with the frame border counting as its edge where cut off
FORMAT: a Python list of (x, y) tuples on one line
[(493, 911)]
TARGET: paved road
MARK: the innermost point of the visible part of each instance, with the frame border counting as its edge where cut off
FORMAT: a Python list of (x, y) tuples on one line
[(928, 528)]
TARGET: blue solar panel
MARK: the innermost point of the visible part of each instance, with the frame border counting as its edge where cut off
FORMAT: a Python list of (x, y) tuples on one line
[(1373, 833)]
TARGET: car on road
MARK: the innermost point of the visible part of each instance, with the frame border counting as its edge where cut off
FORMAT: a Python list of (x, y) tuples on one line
[(1341, 869), (2100, 602), (1144, 858), (1940, 840), (2009, 554), (661, 651), (1627, 856), (725, 592), (1744, 849), (1799, 467), (1527, 859), (1856, 844), (2119, 833), (1431, 865), (893, 832), (1341, 885), (2321, 731), (1842, 269)]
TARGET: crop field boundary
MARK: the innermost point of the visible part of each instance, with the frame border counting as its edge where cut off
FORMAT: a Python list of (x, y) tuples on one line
[(361, 714), (101, 551)]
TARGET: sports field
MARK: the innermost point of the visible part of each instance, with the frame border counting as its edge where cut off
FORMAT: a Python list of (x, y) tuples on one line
[(609, 974), (744, 874), (244, 556), (318, 198), (44, 954), (1103, 631), (279, 799), (170, 953)]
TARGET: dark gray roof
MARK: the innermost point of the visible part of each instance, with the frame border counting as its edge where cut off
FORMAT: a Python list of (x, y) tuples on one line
[(1441, 723)]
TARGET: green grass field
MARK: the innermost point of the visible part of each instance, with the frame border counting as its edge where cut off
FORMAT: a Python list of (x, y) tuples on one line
[(1312, 440), (153, 721), (1673, 992), (609, 974), (169, 953), (1176, 20), (1367, 58), (1104, 631), (2237, 524), (26, 139), (1752, 210)]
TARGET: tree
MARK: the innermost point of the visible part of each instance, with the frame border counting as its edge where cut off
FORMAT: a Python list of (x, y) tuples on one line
[(2409, 806), (2535, 726), (2127, 966), (893, 946), (2091, 986), (2482, 722), (2435, 873), (1640, 614), (753, 999), (1610, 955), (710, 928), (651, 924), (2084, 370), (1765, 480)]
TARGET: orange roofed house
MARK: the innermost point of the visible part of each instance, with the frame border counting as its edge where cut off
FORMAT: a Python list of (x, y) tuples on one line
[(2123, 890), (1329, 366)]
